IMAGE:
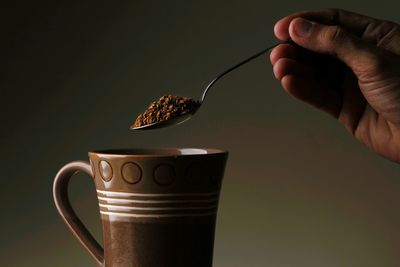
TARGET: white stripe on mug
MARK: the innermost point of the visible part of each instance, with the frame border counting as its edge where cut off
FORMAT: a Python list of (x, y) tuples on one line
[(124, 208), (126, 194), (127, 201), (155, 215)]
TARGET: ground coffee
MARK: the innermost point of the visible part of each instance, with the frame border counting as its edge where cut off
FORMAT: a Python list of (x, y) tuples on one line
[(167, 107)]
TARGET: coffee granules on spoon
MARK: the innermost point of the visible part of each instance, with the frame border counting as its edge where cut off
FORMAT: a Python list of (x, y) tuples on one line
[(167, 107)]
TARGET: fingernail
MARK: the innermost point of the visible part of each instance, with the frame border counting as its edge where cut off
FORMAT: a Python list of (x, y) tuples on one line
[(303, 28)]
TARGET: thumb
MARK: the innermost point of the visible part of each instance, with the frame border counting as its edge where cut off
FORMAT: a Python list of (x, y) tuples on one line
[(335, 41)]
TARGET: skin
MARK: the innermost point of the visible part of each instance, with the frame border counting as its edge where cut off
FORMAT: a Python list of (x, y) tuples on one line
[(347, 65)]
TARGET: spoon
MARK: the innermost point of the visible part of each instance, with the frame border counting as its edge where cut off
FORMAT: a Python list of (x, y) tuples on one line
[(182, 118)]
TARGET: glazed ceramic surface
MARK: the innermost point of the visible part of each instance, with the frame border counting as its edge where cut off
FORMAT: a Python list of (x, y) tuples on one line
[(158, 206)]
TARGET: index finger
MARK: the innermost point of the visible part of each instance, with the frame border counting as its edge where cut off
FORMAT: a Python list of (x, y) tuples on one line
[(353, 22)]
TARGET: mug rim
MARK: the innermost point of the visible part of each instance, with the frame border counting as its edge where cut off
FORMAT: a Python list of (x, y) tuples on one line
[(157, 152)]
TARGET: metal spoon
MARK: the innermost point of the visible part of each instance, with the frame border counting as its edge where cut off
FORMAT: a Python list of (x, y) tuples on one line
[(182, 118)]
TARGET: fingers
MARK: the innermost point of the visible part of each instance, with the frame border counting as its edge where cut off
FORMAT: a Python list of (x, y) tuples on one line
[(286, 66), (375, 31), (283, 51), (366, 45), (335, 41), (355, 23), (305, 89), (299, 80)]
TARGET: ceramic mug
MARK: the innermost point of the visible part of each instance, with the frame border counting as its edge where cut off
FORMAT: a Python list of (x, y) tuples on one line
[(158, 206)]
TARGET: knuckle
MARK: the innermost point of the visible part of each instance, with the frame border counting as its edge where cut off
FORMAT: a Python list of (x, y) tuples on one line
[(387, 36), (388, 27), (334, 34)]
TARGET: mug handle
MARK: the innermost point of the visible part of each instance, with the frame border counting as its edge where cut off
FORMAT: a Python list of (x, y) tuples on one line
[(60, 195)]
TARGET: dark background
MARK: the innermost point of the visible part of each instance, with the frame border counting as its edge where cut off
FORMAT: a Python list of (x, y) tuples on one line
[(298, 190)]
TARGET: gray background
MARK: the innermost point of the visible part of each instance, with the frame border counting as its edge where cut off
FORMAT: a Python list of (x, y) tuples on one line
[(298, 190)]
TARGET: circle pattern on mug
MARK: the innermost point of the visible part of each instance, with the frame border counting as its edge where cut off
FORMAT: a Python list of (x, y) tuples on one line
[(194, 173), (164, 174), (131, 173), (106, 170)]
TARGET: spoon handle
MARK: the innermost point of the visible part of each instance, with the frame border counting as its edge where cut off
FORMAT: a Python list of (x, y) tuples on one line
[(237, 66)]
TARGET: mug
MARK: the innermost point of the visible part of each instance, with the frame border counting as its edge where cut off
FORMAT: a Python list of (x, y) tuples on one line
[(157, 206)]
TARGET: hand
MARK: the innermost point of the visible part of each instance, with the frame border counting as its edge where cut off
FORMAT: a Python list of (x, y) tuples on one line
[(347, 65)]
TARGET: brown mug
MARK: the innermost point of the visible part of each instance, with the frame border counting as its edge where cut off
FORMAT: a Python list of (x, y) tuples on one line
[(158, 207)]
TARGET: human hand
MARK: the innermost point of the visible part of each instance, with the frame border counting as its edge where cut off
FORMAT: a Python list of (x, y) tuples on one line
[(347, 65)]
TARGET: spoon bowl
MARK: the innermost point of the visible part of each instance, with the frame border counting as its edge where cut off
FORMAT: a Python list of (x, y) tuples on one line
[(173, 121)]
